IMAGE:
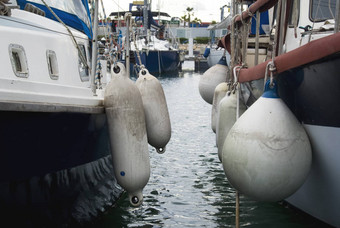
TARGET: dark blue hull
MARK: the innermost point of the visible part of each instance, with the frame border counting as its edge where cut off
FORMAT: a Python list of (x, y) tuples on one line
[(158, 62), (55, 168), (312, 93)]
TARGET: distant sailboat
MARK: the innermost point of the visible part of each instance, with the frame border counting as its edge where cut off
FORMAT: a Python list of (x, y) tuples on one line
[(156, 53)]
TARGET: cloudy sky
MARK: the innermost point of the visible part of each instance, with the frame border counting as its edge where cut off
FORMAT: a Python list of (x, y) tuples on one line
[(206, 10)]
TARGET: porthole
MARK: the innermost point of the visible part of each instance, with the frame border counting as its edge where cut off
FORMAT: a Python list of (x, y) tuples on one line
[(83, 69), (52, 64), (18, 60)]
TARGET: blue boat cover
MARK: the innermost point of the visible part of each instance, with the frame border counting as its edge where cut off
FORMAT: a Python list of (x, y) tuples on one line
[(74, 13), (264, 20)]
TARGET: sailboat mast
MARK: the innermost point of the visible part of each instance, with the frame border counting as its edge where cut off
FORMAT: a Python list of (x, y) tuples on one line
[(145, 16), (159, 12), (94, 48)]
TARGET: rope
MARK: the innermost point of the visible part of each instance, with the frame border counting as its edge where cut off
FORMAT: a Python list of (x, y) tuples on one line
[(235, 58), (236, 88), (270, 68), (244, 35), (4, 10), (141, 66), (233, 45), (250, 14), (244, 43), (136, 48)]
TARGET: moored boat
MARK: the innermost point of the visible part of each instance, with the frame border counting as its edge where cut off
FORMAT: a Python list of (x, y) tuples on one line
[(305, 54), (56, 166), (153, 45)]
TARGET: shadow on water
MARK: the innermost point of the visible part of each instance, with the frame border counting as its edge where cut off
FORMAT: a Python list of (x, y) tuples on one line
[(187, 186)]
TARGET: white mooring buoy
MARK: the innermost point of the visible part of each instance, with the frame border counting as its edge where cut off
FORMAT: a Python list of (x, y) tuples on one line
[(267, 154), (127, 132), (220, 91), (211, 78), (158, 126), (226, 118)]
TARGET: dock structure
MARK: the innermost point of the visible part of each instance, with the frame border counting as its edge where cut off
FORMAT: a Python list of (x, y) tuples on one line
[(201, 64)]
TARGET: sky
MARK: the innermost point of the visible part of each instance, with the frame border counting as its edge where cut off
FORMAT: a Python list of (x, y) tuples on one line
[(206, 10)]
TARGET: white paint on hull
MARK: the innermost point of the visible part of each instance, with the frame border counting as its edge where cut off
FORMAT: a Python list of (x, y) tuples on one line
[(320, 194)]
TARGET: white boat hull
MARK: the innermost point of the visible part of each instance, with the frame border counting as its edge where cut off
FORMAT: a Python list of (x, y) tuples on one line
[(319, 196)]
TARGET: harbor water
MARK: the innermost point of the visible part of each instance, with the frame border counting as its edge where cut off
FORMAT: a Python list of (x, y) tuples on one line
[(187, 186)]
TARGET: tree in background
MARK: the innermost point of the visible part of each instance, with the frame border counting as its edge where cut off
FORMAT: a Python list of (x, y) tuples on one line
[(185, 19), (196, 21), (190, 13)]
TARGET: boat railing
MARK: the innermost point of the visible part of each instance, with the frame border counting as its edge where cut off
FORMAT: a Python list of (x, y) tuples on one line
[(310, 52), (174, 40)]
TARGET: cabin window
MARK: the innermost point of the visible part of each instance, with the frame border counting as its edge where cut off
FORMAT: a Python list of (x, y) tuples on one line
[(52, 64), (321, 10), (83, 69), (18, 59)]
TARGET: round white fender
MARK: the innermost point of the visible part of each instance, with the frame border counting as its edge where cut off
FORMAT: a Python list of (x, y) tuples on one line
[(226, 118), (220, 91), (127, 132), (267, 154), (210, 79), (158, 127)]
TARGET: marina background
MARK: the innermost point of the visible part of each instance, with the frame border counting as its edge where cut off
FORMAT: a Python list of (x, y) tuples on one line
[(205, 9)]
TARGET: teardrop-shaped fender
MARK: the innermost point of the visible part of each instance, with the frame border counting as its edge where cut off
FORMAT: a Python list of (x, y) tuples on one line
[(226, 118), (267, 154), (220, 91), (210, 79)]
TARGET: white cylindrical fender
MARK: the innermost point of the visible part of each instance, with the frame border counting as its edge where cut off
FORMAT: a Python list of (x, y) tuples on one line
[(210, 79), (158, 126), (127, 132), (220, 91), (267, 154), (226, 118)]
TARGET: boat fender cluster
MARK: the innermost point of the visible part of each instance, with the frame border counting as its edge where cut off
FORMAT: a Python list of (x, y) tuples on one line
[(220, 91), (226, 118), (158, 126), (127, 133), (210, 79), (267, 154)]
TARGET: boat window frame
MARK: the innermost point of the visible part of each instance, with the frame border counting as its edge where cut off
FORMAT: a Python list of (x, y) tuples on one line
[(52, 64), (86, 77), (18, 60), (311, 12)]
